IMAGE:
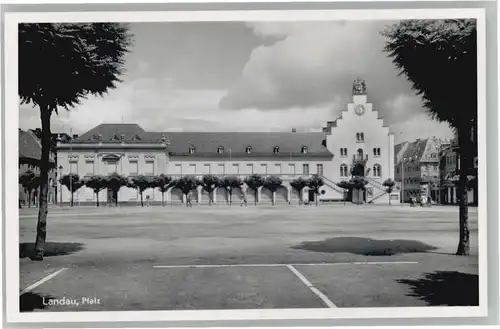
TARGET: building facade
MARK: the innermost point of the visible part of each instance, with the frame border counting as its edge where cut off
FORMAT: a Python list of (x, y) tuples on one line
[(357, 140)]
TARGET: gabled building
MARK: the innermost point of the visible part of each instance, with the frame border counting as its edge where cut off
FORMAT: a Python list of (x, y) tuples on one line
[(417, 168)]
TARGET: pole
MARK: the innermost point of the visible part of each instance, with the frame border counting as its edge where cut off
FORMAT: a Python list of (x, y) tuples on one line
[(70, 152), (402, 181)]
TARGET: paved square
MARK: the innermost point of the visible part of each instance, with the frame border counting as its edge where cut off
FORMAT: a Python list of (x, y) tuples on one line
[(219, 257)]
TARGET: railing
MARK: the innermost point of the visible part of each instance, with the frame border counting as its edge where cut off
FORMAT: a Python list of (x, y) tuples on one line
[(375, 183), (357, 157), (378, 196), (332, 184)]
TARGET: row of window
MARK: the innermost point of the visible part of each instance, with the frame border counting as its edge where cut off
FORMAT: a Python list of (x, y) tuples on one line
[(359, 152), (248, 150), (410, 169), (451, 159), (377, 170), (220, 169)]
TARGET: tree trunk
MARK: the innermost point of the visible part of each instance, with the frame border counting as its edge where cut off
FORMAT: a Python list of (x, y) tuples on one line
[(72, 193), (463, 242), (316, 193), (142, 203), (41, 228), (163, 199), (230, 192), (273, 197), (115, 195), (29, 198), (97, 198), (300, 196), (210, 196), (256, 192)]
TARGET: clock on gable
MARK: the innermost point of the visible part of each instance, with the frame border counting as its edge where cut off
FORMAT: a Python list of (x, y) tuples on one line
[(359, 109)]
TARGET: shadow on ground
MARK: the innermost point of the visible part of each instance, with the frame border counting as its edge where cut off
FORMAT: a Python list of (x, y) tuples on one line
[(446, 288), (30, 301), (51, 249), (365, 246)]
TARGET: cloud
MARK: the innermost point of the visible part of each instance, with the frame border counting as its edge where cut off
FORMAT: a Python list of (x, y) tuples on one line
[(316, 62), (420, 126)]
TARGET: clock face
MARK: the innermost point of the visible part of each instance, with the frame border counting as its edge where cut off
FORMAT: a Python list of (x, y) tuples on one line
[(359, 109)]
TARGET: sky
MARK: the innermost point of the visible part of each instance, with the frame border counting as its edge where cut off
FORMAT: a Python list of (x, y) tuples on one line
[(250, 76)]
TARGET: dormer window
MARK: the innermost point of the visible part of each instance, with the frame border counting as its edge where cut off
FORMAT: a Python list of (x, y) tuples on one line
[(248, 149), (276, 150), (116, 138), (192, 149), (303, 150), (220, 150), (136, 138), (122, 137), (99, 137)]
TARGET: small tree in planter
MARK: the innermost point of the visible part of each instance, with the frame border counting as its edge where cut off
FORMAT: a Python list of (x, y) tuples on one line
[(358, 184), (314, 183), (97, 183), (114, 182), (273, 183), (28, 181), (254, 181), (299, 184), (209, 183), (389, 187), (186, 184), (141, 183), (73, 183), (162, 182), (229, 183), (345, 186)]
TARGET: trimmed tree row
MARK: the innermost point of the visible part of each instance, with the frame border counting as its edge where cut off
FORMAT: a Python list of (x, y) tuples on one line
[(114, 182)]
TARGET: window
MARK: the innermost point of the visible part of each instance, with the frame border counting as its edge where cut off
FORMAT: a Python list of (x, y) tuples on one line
[(248, 149), (235, 169), (343, 170), (263, 168), (149, 168), (136, 138), (192, 149), (376, 151), (220, 169), (319, 169), (191, 169), (277, 168), (276, 150), (360, 153), (206, 168), (89, 168), (291, 168), (397, 170), (304, 149), (134, 167), (305, 169), (116, 138), (122, 137), (357, 137), (73, 167), (250, 168), (377, 170), (220, 150), (343, 152), (360, 137)]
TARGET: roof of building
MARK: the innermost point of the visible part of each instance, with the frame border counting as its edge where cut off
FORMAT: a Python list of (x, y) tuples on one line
[(30, 146), (414, 151), (204, 143)]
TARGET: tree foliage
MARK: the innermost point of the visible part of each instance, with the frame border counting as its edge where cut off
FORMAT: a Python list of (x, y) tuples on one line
[(73, 183), (299, 184), (97, 183), (229, 183), (186, 184), (389, 187), (162, 182), (209, 183), (439, 57), (314, 183), (29, 181), (273, 183), (141, 183), (254, 181), (114, 182)]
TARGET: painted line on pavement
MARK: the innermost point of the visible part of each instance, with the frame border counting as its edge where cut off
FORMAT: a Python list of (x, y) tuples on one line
[(281, 265), (45, 279), (309, 285)]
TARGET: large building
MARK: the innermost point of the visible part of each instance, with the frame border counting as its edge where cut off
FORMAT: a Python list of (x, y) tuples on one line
[(356, 141)]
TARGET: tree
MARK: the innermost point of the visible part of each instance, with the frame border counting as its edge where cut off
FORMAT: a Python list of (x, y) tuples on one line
[(141, 183), (229, 183), (254, 181), (97, 183), (59, 65), (273, 183), (389, 187), (114, 182), (439, 57), (73, 183), (209, 183), (345, 186), (162, 182), (314, 183), (358, 184), (299, 184), (186, 184), (29, 181)]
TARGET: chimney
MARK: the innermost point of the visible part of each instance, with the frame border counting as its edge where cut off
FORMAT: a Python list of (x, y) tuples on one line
[(294, 130), (75, 136)]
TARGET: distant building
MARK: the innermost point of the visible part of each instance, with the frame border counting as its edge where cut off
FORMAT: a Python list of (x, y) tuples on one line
[(417, 168), (30, 152), (356, 142)]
